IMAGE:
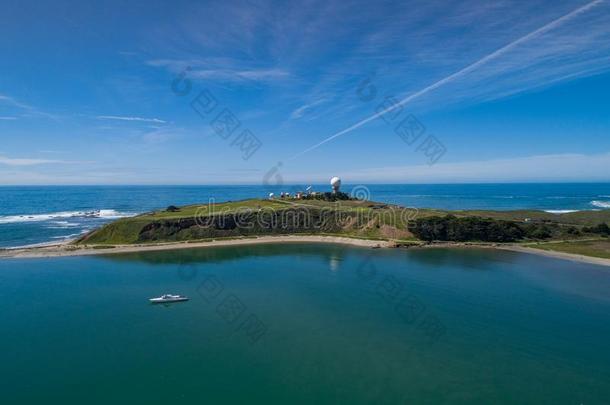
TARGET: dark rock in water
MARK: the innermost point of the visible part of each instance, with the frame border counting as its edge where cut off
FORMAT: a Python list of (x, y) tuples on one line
[(90, 214), (172, 208)]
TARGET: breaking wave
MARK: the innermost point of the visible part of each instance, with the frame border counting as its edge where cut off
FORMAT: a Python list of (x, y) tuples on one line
[(600, 204), (58, 216)]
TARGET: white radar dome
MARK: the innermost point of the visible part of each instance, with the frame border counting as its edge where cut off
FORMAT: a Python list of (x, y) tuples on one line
[(335, 183)]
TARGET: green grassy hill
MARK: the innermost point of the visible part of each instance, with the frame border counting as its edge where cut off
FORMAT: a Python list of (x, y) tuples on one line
[(352, 218), (257, 217)]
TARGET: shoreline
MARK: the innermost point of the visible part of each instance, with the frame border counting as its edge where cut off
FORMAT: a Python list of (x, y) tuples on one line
[(573, 257), (65, 249), (558, 255)]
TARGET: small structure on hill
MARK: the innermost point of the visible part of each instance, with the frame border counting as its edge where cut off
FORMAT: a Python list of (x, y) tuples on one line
[(335, 183)]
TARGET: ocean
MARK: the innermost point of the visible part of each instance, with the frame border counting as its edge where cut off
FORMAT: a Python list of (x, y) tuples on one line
[(35, 215)]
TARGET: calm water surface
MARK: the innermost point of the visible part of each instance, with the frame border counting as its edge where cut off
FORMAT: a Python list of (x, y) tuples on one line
[(338, 325)]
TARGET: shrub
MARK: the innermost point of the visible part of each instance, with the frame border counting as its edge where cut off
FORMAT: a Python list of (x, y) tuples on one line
[(601, 229), (331, 197), (172, 208), (451, 228), (538, 232)]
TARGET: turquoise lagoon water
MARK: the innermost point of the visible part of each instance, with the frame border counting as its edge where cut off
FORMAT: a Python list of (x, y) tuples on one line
[(305, 323)]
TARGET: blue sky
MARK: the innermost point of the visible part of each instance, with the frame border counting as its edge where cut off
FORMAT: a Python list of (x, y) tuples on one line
[(509, 90)]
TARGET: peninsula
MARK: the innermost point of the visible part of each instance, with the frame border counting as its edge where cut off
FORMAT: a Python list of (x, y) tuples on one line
[(337, 218)]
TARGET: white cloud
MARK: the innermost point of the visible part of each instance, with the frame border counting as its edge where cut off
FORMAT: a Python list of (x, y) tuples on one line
[(158, 136), (299, 112), (506, 64), (240, 75), (326, 47), (224, 69), (28, 110), (7, 161), (12, 101), (27, 162), (8, 118), (262, 74), (137, 119), (542, 168)]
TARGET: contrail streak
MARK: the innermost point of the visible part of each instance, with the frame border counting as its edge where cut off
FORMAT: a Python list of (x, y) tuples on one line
[(548, 27)]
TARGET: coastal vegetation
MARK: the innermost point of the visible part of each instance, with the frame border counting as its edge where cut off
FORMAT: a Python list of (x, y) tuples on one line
[(601, 229), (327, 196), (476, 228), (456, 229), (588, 247)]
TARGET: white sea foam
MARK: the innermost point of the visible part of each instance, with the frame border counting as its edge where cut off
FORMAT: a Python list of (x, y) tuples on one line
[(560, 211), (72, 235), (62, 225), (33, 245), (105, 214), (601, 204)]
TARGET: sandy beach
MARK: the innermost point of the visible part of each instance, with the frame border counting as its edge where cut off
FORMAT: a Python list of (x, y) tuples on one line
[(66, 249), (557, 255)]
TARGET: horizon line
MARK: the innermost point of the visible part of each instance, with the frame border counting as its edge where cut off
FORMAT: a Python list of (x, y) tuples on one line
[(298, 184)]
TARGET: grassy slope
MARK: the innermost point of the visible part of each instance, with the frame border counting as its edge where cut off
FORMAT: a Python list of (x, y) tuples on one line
[(593, 248), (231, 206), (587, 218), (127, 230)]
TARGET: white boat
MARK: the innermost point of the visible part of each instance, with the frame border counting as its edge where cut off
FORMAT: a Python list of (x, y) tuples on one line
[(168, 298)]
